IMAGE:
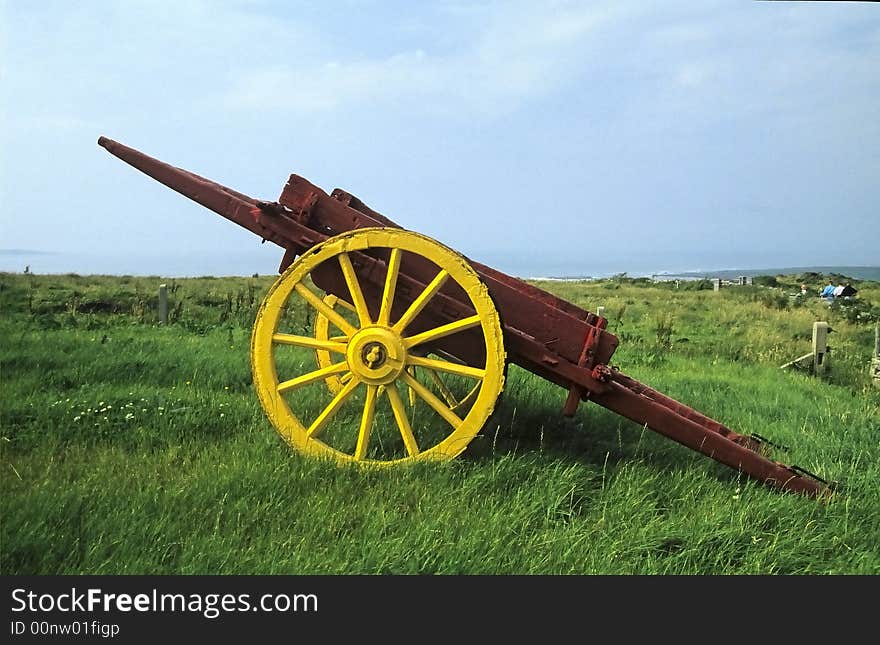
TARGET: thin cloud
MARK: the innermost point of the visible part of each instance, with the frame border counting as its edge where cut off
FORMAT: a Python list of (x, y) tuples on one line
[(665, 115), (51, 122), (514, 58)]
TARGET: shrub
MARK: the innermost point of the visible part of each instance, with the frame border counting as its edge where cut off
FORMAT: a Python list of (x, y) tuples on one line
[(766, 280), (664, 327), (855, 310), (773, 299)]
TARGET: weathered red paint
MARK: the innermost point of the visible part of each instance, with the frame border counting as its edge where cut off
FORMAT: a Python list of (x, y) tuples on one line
[(546, 335)]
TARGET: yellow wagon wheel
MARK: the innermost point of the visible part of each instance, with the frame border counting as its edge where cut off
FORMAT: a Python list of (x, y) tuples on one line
[(366, 420), (335, 383)]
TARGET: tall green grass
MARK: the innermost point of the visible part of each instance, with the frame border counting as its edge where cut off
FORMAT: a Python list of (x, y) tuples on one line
[(129, 447)]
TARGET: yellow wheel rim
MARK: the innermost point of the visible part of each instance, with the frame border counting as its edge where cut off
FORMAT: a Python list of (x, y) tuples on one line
[(367, 347)]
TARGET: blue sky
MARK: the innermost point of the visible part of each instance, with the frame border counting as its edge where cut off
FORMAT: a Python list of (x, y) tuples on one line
[(541, 138)]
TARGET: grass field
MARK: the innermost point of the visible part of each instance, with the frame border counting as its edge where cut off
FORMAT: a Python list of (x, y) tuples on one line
[(134, 448)]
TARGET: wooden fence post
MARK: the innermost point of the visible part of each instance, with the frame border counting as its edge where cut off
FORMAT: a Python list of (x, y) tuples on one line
[(820, 347), (875, 362), (163, 304), (877, 340), (817, 361)]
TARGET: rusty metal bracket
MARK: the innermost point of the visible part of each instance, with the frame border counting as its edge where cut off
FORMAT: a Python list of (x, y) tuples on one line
[(289, 256), (587, 361)]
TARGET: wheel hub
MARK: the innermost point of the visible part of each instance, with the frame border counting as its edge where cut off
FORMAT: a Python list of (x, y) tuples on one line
[(376, 355)]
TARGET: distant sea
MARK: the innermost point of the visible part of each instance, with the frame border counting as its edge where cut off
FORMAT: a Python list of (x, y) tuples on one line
[(858, 273), (264, 260)]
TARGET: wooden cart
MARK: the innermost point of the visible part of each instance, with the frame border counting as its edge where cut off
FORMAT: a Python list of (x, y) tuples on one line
[(406, 352)]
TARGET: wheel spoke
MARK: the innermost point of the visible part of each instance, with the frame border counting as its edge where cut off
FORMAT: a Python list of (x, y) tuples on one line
[(412, 395), (429, 398), (354, 288), (311, 377), (446, 366), (419, 303), (469, 398), (344, 304), (331, 300), (444, 330), (331, 409), (447, 394), (325, 309), (399, 410), (308, 341), (366, 423), (390, 285)]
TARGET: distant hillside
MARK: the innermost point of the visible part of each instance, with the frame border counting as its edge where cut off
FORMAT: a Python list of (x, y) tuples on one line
[(858, 273)]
